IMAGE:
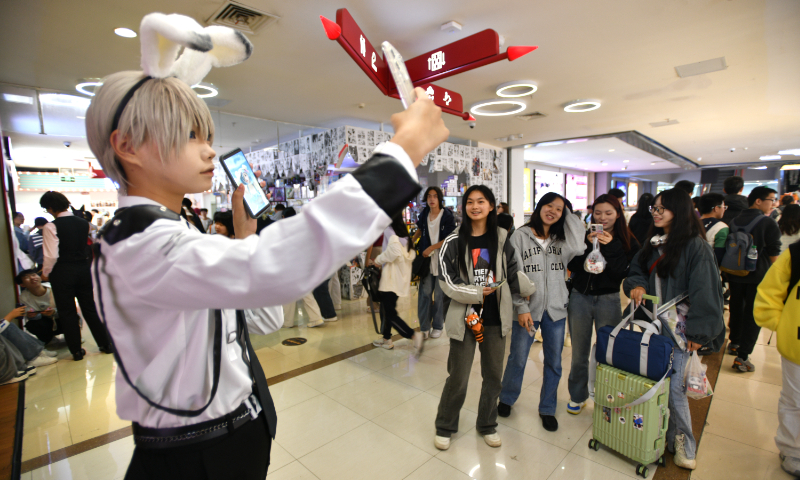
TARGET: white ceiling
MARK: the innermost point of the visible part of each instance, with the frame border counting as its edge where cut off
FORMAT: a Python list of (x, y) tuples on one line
[(590, 155), (622, 53)]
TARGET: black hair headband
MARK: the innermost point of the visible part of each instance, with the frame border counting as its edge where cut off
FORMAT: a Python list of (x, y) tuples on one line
[(125, 100)]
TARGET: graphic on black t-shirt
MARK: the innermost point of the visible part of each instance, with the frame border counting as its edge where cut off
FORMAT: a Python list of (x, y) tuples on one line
[(481, 267)]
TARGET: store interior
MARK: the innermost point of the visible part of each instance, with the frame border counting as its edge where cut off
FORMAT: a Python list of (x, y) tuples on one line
[(636, 96)]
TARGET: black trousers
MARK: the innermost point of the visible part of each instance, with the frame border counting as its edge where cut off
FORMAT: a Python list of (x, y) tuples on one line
[(323, 297), (242, 455), (71, 281), (744, 330), (43, 329), (392, 319)]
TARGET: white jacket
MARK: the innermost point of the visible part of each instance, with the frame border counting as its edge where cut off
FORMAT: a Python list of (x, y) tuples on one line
[(396, 267)]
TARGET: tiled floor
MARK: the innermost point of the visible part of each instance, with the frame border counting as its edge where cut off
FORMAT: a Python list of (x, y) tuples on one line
[(371, 416)]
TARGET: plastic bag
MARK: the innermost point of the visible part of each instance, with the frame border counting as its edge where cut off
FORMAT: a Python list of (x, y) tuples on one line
[(595, 263), (697, 386), (675, 318)]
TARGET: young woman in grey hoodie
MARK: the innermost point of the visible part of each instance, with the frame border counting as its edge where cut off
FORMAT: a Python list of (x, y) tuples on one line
[(543, 247)]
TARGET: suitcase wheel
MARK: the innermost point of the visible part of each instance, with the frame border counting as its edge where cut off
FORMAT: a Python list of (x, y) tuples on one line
[(594, 445), (642, 470), (661, 461)]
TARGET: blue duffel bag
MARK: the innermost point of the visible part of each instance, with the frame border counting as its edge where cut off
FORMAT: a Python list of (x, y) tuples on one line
[(646, 353)]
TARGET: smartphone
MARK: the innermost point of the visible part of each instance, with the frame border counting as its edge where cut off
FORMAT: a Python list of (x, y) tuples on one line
[(400, 74), (497, 284), (240, 172), (596, 228)]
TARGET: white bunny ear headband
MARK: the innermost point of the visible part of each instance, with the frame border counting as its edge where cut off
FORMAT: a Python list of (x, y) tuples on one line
[(203, 48)]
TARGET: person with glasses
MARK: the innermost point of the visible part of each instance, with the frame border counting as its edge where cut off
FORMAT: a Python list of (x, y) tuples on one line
[(712, 207), (676, 259), (767, 239)]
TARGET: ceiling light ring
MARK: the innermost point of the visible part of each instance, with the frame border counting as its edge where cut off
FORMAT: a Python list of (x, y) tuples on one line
[(532, 88), (85, 83), (580, 106), (211, 90), (520, 106)]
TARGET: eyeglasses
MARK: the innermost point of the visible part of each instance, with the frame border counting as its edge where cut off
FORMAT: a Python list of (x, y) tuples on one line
[(724, 207), (658, 210)]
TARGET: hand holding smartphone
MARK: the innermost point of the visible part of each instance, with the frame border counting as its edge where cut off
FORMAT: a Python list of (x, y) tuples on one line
[(240, 172), (596, 228)]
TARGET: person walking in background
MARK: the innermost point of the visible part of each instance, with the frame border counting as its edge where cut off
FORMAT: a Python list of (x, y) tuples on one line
[(687, 186), (712, 207), (67, 268), (36, 242), (677, 260), (479, 273), (595, 296), (776, 306), (786, 199), (642, 220), (767, 239), (204, 219), (543, 247), (734, 200), (395, 264), (618, 194), (434, 225), (789, 225)]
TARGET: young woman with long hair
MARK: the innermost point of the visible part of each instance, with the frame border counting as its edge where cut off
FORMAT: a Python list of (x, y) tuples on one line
[(595, 296), (789, 223), (478, 273), (678, 254), (544, 246), (641, 220), (395, 264)]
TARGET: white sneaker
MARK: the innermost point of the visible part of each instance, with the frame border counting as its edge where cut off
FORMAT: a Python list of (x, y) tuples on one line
[(42, 360), (568, 340), (418, 345), (680, 454), (20, 376), (334, 319), (49, 353), (436, 333), (318, 323), (442, 443), (384, 343), (575, 408), (493, 440)]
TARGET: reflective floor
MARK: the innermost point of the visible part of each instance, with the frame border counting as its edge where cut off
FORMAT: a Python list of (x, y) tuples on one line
[(371, 416)]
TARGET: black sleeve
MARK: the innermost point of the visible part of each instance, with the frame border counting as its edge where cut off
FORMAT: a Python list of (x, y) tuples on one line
[(449, 224), (576, 263), (772, 238), (513, 266), (616, 260), (387, 182)]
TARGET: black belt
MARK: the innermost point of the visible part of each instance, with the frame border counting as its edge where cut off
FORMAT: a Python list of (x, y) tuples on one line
[(160, 438)]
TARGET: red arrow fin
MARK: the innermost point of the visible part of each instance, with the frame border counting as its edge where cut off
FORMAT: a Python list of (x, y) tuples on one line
[(332, 29), (516, 52)]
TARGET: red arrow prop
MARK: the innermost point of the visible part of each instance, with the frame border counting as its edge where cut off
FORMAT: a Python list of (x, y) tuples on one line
[(463, 55)]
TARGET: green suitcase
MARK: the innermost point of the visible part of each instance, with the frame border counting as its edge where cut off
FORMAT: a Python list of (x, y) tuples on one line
[(639, 432)]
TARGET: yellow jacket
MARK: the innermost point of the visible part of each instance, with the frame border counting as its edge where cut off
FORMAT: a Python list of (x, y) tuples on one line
[(770, 311)]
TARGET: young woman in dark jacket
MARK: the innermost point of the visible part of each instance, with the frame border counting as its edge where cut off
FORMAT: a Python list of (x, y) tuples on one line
[(641, 220), (595, 296)]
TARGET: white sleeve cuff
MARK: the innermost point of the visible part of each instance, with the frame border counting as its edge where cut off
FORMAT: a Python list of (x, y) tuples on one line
[(396, 151)]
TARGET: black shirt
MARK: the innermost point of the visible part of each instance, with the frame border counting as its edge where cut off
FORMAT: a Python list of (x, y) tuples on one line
[(483, 275)]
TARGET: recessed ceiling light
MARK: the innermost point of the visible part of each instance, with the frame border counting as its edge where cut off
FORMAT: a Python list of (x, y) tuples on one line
[(769, 157), (611, 150), (125, 32), (520, 88), (625, 161), (757, 168), (82, 118), (699, 159), (516, 106), (652, 163), (548, 144), (791, 151), (87, 86), (205, 90), (8, 97), (581, 106)]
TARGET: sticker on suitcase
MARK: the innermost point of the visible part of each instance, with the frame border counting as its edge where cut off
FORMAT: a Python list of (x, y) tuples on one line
[(607, 414), (638, 422)]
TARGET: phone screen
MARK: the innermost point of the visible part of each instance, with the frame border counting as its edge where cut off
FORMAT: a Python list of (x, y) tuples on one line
[(597, 228), (240, 172)]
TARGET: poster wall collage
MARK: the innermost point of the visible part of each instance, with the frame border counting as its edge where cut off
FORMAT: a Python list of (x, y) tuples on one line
[(313, 153)]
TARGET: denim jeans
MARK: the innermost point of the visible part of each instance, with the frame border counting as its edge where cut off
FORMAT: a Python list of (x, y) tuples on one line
[(680, 419), (27, 345), (459, 364), (323, 297), (521, 341), (604, 310), (430, 313)]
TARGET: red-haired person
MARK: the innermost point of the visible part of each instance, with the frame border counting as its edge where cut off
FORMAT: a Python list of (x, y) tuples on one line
[(595, 296)]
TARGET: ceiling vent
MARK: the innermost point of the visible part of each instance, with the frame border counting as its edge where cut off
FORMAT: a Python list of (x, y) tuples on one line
[(242, 18), (531, 116)]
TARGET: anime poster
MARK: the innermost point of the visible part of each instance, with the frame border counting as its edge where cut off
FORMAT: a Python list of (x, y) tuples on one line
[(361, 137), (370, 138), (351, 135)]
